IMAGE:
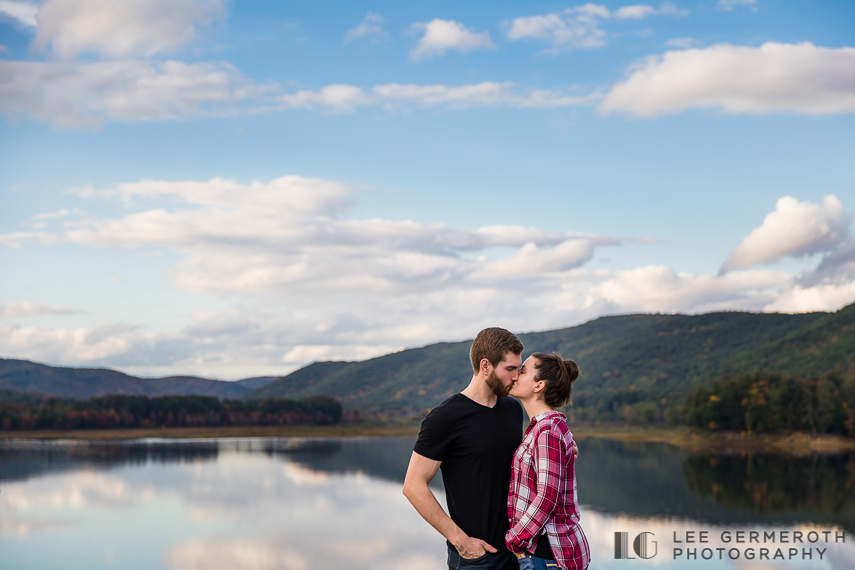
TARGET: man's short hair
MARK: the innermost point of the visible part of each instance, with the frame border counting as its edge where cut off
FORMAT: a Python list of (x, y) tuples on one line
[(493, 344)]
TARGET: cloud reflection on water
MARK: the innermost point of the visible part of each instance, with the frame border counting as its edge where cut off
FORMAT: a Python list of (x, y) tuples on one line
[(287, 504), (301, 518)]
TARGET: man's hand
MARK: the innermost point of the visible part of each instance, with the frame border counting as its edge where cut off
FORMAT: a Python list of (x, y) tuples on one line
[(469, 547), (419, 473)]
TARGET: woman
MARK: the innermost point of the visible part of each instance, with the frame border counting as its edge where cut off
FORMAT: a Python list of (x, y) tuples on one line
[(542, 505)]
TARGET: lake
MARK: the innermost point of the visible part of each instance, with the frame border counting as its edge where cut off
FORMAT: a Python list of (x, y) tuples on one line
[(307, 504)]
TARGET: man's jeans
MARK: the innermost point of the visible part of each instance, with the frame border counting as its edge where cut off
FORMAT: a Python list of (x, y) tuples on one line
[(502, 560)]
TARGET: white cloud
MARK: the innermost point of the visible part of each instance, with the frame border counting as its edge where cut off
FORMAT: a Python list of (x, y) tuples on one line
[(303, 353), (286, 242), (801, 228), (71, 346), (671, 10), (575, 28), (43, 220), (51, 215), (441, 35), (487, 93), (822, 297), (370, 27), (120, 29), (331, 97), (23, 12), (728, 5), (794, 229), (796, 78), (837, 267), (265, 235), (661, 289), (579, 27), (85, 95), (15, 240), (393, 96), (682, 43), (72, 95), (308, 282), (634, 12), (28, 309), (531, 259)]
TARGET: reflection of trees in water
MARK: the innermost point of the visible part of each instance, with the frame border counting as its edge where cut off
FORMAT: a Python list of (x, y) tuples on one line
[(20, 462), (818, 484), (384, 458), (656, 480), (641, 480)]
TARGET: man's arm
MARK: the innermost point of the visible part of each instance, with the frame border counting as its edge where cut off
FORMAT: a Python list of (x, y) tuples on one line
[(419, 474)]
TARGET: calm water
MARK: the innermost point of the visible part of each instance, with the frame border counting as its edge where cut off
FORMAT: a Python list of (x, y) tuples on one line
[(298, 504)]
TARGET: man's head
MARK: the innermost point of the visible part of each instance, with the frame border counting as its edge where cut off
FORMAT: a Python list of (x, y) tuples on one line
[(495, 355)]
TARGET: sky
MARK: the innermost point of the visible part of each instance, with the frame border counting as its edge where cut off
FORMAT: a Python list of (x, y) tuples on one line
[(239, 188)]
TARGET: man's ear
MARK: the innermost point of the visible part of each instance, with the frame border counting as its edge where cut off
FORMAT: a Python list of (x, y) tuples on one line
[(486, 367)]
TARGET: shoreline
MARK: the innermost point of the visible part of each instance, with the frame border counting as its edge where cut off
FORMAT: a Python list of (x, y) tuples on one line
[(725, 443), (366, 429), (722, 443)]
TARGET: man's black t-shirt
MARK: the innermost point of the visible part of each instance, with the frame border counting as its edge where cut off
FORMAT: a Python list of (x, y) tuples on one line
[(475, 445)]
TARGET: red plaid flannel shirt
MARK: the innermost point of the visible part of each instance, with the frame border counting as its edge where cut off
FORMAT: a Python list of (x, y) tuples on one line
[(543, 493)]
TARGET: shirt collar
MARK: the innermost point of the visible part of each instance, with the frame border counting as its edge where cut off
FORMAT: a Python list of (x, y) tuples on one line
[(544, 415)]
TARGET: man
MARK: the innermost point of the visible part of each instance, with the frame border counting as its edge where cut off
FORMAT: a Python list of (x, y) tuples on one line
[(472, 437)]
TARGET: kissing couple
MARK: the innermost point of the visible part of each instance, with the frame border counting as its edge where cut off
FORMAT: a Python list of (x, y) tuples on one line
[(511, 496)]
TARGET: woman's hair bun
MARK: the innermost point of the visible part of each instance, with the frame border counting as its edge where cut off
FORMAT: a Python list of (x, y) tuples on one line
[(559, 375), (572, 369)]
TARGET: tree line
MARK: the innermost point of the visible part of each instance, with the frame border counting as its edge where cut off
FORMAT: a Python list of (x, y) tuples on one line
[(763, 402), (631, 406), (756, 403), (118, 411)]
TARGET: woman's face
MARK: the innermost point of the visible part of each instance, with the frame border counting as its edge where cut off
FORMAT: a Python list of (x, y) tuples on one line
[(524, 387)]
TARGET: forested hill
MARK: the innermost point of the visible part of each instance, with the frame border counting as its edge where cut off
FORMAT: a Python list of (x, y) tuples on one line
[(624, 359), (83, 383)]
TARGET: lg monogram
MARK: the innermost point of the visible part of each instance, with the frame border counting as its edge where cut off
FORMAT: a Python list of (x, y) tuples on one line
[(641, 546)]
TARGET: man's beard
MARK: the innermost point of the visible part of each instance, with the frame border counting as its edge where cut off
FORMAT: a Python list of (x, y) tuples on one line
[(496, 385)]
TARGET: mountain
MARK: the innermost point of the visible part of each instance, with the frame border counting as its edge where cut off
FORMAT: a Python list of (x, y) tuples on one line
[(827, 345), (257, 382), (82, 383), (624, 359)]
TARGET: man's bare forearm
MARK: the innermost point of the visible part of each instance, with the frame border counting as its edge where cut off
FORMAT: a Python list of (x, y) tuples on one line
[(420, 472), (424, 501)]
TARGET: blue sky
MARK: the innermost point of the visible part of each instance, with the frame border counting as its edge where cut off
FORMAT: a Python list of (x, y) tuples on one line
[(240, 188)]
